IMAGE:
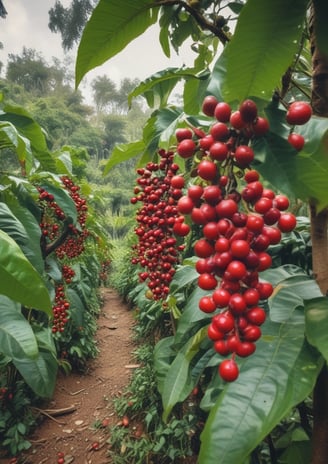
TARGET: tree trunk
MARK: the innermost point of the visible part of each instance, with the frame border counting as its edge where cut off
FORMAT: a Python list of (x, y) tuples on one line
[(319, 236)]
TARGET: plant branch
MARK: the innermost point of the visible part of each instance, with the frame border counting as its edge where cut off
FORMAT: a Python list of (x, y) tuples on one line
[(197, 15)]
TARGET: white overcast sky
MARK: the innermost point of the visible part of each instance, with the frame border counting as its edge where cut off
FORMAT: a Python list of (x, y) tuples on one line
[(27, 25)]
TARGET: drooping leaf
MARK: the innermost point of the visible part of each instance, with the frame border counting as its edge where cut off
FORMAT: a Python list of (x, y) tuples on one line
[(29, 241), (19, 280), (263, 47), (40, 374), (123, 152), (17, 339), (110, 29), (268, 386), (302, 175), (177, 383), (316, 324)]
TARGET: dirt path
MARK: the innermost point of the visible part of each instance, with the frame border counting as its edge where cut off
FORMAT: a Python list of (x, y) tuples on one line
[(90, 395)]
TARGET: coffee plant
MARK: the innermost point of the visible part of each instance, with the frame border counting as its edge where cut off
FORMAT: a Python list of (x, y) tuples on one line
[(249, 135)]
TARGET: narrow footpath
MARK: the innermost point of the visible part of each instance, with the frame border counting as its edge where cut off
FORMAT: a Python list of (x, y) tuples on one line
[(88, 398)]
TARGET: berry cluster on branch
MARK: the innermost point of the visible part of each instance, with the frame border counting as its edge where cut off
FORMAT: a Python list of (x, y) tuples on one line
[(239, 219), (158, 249)]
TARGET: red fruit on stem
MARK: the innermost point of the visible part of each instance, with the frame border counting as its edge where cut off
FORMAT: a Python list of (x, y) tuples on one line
[(248, 111), (222, 112), (183, 133), (228, 370), (209, 105), (298, 113), (296, 140), (186, 148)]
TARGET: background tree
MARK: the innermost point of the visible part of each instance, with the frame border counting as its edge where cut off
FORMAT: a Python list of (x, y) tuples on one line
[(70, 21)]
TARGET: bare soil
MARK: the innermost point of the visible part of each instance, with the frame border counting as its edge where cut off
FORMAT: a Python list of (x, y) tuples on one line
[(89, 396)]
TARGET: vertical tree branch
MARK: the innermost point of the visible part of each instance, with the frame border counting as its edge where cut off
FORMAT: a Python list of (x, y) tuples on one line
[(319, 236)]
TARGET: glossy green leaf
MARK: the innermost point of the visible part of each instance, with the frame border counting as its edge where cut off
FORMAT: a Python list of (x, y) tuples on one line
[(177, 383), (9, 137), (77, 307), (302, 174), (262, 47), (123, 152), (268, 386), (40, 374), (29, 241), (17, 339), (110, 29), (290, 294), (163, 357), (158, 87), (316, 324), (19, 280)]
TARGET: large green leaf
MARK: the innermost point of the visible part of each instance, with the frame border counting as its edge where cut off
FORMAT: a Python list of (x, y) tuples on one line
[(110, 29), (29, 129), (279, 375), (302, 174), (123, 152), (40, 374), (263, 47), (10, 138), (23, 219), (316, 324), (19, 280), (177, 384), (290, 294), (17, 339), (163, 356)]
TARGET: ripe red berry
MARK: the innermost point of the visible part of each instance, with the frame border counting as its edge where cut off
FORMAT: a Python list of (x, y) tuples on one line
[(177, 182), (236, 121), (209, 105), (207, 281), (220, 131), (207, 170), (248, 111), (206, 304), (296, 140), (185, 205), (221, 297), (206, 142), (186, 148), (298, 113), (183, 133), (224, 322), (228, 370), (219, 151), (260, 126), (244, 155), (287, 222), (222, 112)]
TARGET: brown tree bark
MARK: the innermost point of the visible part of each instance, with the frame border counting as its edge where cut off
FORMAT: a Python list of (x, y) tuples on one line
[(319, 236)]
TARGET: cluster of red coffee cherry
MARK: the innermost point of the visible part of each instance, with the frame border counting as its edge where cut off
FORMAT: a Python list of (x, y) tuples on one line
[(71, 246), (60, 310), (74, 244), (53, 221), (68, 273), (239, 219), (158, 250)]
